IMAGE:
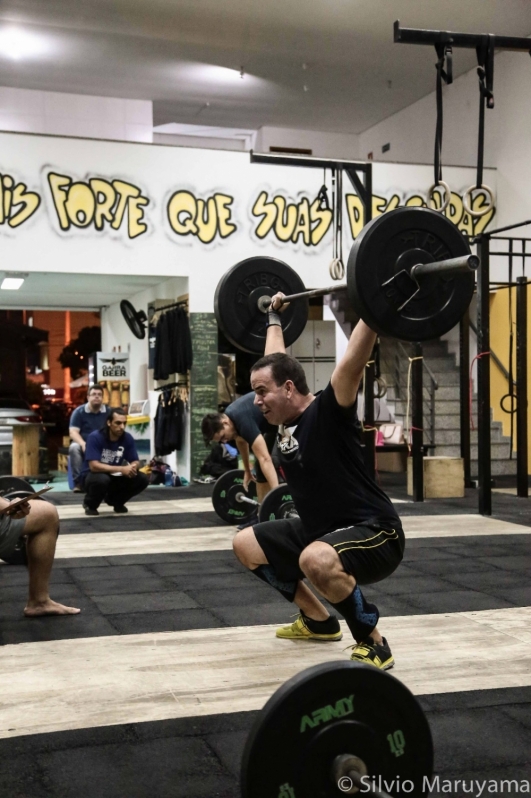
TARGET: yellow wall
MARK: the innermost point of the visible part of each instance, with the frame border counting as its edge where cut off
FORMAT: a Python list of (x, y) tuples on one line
[(499, 342)]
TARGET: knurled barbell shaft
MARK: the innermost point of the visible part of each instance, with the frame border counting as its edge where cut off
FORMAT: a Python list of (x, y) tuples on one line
[(465, 263)]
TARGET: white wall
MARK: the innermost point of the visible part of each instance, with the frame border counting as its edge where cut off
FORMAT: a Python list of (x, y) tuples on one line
[(203, 142), (29, 111), (322, 145)]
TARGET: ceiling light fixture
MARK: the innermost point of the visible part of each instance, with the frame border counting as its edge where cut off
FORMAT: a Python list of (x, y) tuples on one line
[(11, 283), (18, 44)]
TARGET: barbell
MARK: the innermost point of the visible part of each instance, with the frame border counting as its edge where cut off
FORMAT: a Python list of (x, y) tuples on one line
[(234, 505), (335, 729), (410, 275)]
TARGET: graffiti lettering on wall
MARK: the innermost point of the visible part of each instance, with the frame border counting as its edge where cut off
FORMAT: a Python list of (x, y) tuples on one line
[(189, 215), (98, 202), (17, 204), (304, 221), (455, 210)]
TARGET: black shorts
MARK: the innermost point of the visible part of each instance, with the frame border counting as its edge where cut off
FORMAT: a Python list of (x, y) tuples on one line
[(366, 551), (271, 442)]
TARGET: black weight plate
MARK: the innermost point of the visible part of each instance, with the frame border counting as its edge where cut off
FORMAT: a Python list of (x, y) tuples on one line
[(224, 497), (19, 555), (332, 709), (398, 240), (9, 484), (277, 504), (237, 294)]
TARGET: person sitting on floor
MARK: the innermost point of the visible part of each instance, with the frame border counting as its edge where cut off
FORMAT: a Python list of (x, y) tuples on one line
[(85, 419), (110, 469), (39, 522)]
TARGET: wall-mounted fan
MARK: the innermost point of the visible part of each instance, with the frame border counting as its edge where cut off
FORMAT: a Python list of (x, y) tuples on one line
[(135, 319)]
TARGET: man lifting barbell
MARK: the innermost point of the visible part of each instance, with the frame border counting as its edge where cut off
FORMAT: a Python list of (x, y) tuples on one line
[(38, 520), (243, 423), (348, 533)]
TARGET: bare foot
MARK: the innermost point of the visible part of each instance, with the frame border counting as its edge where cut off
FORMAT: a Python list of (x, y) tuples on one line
[(35, 609)]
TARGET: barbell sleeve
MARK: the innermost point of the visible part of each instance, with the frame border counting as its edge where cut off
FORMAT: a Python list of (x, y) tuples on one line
[(240, 497), (465, 263)]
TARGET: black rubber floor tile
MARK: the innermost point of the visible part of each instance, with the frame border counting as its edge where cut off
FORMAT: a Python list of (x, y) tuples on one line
[(413, 585), (197, 726), (520, 713), (13, 609), (510, 562), (21, 779), (82, 562), (20, 592), (519, 596), (13, 575), (145, 584), (228, 747), (202, 581), (176, 569), (425, 553), (244, 597), (391, 605), (256, 614), (167, 768), (501, 696), (169, 621), (68, 627), (489, 580), (454, 565), (129, 572), (457, 601), (473, 739), (144, 602)]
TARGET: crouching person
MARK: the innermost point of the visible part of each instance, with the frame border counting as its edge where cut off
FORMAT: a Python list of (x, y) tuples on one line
[(39, 522), (110, 469)]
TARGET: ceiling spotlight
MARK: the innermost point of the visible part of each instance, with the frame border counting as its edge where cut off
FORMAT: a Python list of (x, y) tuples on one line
[(305, 65), (306, 88), (18, 44)]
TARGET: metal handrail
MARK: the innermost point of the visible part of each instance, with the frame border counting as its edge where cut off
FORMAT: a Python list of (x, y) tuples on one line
[(494, 356)]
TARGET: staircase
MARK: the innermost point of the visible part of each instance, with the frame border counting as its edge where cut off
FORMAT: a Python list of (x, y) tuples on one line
[(441, 406)]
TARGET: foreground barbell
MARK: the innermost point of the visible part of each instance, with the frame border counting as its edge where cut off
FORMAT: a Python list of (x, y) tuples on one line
[(234, 505), (339, 728), (410, 275)]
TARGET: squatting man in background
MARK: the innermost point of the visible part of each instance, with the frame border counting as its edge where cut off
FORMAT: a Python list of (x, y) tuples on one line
[(110, 469), (85, 419), (39, 522), (348, 533), (243, 423)]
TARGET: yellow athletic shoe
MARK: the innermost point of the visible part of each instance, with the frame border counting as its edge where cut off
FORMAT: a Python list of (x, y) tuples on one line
[(299, 630), (371, 653)]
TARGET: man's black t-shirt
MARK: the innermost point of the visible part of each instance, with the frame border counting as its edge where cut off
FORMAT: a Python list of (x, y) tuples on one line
[(247, 418), (324, 467)]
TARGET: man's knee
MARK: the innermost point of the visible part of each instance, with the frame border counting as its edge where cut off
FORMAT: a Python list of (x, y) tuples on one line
[(319, 562), (243, 545), (141, 481), (42, 516), (74, 448)]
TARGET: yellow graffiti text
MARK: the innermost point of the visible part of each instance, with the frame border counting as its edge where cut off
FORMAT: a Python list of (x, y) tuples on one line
[(17, 204), (455, 211), (98, 202), (295, 221), (205, 219)]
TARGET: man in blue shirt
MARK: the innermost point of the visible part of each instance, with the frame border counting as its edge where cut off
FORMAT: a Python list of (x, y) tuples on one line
[(110, 469), (85, 419)]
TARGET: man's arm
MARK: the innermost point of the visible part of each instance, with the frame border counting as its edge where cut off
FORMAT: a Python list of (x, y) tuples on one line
[(349, 371), (102, 468), (75, 435), (261, 452), (274, 335), (243, 448)]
